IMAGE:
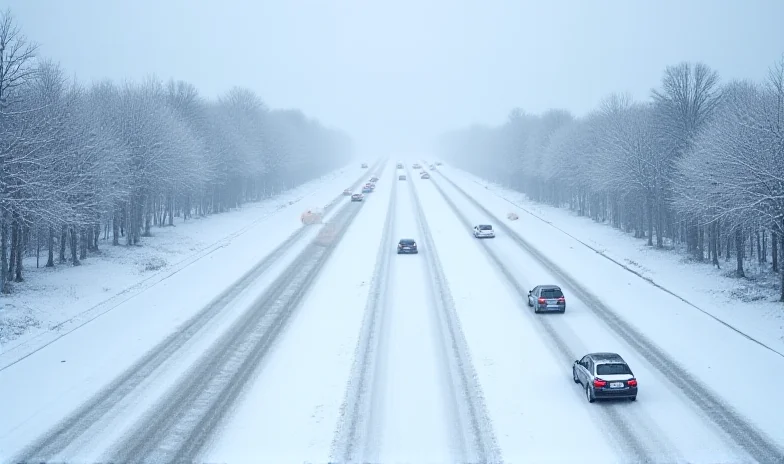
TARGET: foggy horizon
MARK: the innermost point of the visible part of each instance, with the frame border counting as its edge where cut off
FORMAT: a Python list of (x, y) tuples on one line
[(394, 77)]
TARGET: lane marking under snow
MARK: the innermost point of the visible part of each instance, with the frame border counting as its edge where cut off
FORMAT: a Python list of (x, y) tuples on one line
[(627, 268)]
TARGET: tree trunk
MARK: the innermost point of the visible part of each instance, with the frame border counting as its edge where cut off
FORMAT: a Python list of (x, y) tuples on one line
[(715, 244), (20, 247), (774, 250), (171, 210), (739, 251), (50, 246), (729, 247), (83, 238), (63, 241), (96, 235), (3, 254), (14, 244), (649, 213), (74, 247), (115, 227)]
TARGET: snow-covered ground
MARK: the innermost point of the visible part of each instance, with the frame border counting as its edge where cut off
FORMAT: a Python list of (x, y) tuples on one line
[(642, 429), (517, 365), (290, 409), (53, 301), (737, 302), (700, 344)]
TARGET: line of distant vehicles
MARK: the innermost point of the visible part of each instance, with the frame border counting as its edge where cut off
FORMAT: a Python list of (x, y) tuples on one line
[(602, 375)]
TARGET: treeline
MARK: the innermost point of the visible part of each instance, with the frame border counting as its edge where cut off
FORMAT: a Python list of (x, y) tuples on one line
[(698, 167), (85, 163)]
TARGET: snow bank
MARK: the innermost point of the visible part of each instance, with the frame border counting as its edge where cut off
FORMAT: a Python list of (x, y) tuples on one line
[(737, 302), (53, 301)]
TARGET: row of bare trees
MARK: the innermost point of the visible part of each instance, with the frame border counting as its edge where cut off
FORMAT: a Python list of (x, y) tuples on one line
[(698, 167), (79, 164)]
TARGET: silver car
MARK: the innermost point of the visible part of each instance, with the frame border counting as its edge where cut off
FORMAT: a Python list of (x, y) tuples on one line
[(547, 298), (604, 375)]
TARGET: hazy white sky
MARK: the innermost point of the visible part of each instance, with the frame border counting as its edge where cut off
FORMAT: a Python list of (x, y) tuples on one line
[(394, 74)]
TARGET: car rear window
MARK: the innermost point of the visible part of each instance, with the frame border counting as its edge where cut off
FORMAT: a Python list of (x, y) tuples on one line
[(407, 242), (612, 369), (485, 227), (551, 293)]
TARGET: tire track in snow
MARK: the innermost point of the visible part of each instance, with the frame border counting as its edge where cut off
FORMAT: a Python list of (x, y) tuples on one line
[(745, 435), (76, 425), (352, 435), (626, 435), (186, 417), (473, 424)]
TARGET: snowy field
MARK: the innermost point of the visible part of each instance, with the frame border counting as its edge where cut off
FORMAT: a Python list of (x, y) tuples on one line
[(53, 301), (737, 302), (348, 351)]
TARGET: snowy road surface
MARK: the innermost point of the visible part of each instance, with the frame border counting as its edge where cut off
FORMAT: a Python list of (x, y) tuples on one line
[(350, 352)]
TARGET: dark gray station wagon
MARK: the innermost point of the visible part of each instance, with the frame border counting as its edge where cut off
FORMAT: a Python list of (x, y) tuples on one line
[(547, 298)]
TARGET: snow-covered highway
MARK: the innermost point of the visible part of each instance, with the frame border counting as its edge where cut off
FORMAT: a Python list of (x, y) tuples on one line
[(352, 352)]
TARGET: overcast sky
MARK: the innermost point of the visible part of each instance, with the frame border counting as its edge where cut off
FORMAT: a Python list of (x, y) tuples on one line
[(395, 74)]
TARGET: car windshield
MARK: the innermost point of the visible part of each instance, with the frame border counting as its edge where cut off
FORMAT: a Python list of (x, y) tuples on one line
[(612, 369), (483, 227), (551, 293)]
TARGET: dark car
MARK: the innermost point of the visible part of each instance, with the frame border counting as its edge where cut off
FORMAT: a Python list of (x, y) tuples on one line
[(605, 376), (547, 298), (401, 177), (400, 165), (407, 245), (357, 197), (364, 165), (374, 179), (425, 176)]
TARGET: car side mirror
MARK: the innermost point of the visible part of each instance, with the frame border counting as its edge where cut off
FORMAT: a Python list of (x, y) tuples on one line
[(529, 292), (577, 361)]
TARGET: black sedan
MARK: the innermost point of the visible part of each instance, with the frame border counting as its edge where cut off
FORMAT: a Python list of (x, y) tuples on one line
[(407, 246)]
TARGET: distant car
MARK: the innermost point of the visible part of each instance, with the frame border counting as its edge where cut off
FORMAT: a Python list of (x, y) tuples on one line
[(406, 246), (372, 186), (605, 375), (547, 298), (400, 165), (374, 179), (438, 163), (401, 177), (416, 166), (357, 197), (367, 189), (364, 165), (425, 176), (433, 168), (484, 231), (347, 192)]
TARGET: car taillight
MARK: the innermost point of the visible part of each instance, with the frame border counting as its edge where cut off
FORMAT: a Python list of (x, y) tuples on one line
[(632, 382), (562, 300), (542, 301), (599, 383)]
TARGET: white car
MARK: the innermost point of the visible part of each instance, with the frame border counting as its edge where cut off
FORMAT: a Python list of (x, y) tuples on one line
[(484, 231)]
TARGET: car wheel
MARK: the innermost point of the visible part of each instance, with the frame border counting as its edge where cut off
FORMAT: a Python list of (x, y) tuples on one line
[(574, 376), (588, 394), (562, 311), (536, 309), (633, 398)]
